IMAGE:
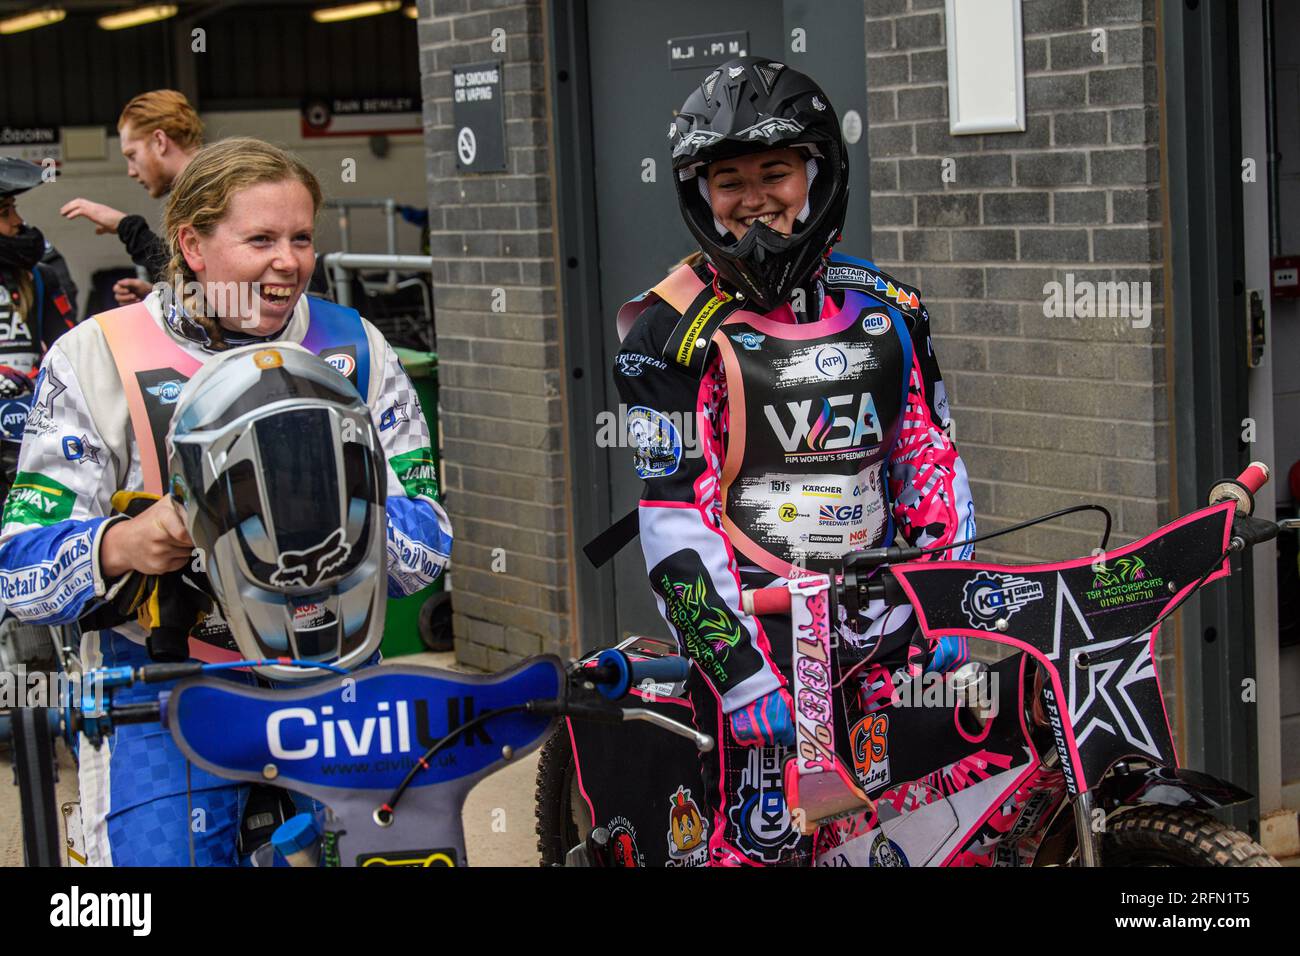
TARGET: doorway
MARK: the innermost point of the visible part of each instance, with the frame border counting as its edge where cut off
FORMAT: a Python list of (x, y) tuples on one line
[(623, 67)]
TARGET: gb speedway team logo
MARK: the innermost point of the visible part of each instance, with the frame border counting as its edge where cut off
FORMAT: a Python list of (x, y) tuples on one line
[(990, 597)]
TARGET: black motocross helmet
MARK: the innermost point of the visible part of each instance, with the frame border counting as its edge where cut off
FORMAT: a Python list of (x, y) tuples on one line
[(749, 105)]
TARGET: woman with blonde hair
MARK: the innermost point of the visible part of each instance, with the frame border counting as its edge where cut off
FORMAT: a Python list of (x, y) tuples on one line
[(240, 226)]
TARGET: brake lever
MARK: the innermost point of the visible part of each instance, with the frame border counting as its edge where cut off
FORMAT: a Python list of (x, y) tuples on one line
[(1289, 524), (703, 742)]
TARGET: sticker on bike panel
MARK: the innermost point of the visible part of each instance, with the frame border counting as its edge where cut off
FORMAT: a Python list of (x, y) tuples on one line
[(688, 831), (368, 737), (1109, 705), (760, 818), (656, 442), (444, 857), (991, 597)]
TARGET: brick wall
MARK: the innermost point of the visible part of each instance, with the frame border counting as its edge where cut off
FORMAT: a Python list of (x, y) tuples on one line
[(1048, 411), (497, 324)]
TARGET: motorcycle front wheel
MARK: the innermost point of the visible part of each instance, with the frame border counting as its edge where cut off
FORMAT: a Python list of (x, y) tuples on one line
[(560, 826), (1152, 835)]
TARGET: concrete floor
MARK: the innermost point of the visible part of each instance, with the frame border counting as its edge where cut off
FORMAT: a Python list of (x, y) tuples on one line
[(498, 815)]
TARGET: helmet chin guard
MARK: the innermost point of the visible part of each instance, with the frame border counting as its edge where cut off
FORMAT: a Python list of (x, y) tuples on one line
[(278, 465), (751, 105)]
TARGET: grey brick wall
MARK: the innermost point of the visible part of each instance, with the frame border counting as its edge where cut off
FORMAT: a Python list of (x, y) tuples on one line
[(498, 370), (1048, 411)]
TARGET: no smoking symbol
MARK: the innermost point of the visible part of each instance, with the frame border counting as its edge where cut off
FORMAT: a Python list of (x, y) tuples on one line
[(466, 146)]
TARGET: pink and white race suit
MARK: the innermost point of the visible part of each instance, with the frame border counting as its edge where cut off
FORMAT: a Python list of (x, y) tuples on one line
[(772, 449)]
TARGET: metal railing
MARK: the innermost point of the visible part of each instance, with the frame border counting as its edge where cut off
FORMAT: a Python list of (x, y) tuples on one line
[(340, 267)]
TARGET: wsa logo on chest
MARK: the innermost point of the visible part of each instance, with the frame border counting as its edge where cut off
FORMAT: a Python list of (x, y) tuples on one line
[(822, 428)]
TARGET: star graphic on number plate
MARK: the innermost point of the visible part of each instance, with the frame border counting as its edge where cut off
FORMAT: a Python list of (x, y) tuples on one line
[(1099, 709)]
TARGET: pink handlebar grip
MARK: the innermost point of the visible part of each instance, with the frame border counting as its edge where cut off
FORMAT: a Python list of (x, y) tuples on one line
[(1255, 476), (766, 601)]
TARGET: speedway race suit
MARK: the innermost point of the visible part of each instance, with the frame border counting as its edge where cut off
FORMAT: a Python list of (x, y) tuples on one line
[(786, 445), (102, 387)]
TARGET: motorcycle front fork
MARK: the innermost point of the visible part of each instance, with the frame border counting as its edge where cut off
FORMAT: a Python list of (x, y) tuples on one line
[(1089, 840)]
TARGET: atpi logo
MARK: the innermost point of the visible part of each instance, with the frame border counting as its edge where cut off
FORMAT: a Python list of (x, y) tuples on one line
[(990, 597), (831, 362), (821, 429), (875, 323), (13, 419)]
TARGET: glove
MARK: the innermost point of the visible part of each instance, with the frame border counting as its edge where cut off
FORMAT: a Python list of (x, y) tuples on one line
[(765, 722), (167, 606), (13, 383)]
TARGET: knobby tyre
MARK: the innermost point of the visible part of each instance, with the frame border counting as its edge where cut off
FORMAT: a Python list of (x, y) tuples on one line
[(558, 829), (1174, 836)]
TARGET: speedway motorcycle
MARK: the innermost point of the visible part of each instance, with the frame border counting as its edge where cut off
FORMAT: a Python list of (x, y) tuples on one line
[(1060, 753), (391, 751)]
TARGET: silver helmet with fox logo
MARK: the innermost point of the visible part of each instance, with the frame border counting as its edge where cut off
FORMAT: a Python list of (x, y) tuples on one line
[(277, 463)]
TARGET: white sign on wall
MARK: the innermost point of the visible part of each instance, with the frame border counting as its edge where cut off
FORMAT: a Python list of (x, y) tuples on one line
[(986, 70)]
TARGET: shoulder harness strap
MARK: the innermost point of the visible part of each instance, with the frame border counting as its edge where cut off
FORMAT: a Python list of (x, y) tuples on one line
[(845, 272)]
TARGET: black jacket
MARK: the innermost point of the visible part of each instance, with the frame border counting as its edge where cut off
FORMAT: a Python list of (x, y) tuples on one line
[(144, 246)]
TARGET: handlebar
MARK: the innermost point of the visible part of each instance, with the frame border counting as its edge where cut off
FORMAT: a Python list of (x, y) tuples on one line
[(615, 673), (883, 587), (1241, 489), (1255, 476)]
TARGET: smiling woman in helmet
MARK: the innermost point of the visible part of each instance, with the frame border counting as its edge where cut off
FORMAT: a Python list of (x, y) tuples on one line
[(821, 413), (83, 525)]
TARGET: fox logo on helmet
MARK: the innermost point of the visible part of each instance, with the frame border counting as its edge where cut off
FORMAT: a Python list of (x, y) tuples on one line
[(306, 568)]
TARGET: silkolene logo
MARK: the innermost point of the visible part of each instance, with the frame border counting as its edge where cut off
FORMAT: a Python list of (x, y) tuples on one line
[(820, 428)]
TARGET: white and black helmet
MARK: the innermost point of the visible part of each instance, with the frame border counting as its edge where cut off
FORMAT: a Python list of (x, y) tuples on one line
[(750, 105), (277, 463)]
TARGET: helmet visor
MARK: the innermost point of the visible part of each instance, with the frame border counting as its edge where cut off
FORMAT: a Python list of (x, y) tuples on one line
[(301, 524)]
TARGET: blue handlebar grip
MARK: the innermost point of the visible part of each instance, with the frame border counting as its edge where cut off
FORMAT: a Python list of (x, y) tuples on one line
[(661, 670), (616, 659)]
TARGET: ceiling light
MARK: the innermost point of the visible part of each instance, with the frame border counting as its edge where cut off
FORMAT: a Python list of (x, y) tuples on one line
[(137, 17), (30, 21), (350, 11)]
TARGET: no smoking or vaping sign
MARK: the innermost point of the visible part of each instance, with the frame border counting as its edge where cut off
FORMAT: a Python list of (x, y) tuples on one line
[(478, 116)]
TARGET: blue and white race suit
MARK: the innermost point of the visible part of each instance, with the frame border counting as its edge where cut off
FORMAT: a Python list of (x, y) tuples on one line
[(78, 449)]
